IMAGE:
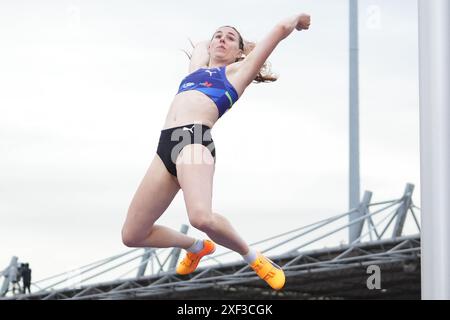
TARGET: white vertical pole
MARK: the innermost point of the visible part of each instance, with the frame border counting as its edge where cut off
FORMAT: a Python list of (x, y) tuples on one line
[(354, 187), (434, 68)]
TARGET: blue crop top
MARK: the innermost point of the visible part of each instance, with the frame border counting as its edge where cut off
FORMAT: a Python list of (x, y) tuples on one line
[(214, 83)]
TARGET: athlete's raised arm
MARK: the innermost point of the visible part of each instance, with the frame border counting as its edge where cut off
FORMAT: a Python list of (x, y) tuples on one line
[(252, 63)]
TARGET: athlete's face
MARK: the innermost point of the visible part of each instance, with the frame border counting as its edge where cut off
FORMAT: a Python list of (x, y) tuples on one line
[(225, 44)]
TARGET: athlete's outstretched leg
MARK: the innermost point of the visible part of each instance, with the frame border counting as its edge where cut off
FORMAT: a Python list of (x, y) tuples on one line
[(195, 171), (195, 167)]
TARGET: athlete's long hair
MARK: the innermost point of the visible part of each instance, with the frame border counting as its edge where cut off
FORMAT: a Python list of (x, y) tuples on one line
[(264, 74)]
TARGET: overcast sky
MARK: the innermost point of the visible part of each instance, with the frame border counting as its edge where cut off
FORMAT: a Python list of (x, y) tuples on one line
[(85, 87)]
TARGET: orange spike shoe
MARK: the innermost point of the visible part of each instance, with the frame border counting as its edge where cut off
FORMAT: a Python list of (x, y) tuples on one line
[(191, 260), (270, 272)]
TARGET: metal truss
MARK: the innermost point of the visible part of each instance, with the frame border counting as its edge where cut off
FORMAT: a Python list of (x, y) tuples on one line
[(337, 272)]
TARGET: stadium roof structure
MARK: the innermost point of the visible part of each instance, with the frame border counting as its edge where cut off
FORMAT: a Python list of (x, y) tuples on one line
[(339, 272)]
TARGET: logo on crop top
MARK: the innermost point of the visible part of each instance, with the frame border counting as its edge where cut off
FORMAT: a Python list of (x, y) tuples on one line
[(186, 85), (206, 84), (210, 72)]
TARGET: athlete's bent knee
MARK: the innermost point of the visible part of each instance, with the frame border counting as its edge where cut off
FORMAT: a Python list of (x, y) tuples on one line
[(129, 238), (201, 220)]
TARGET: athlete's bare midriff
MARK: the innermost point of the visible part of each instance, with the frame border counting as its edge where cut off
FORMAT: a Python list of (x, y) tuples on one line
[(191, 107)]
